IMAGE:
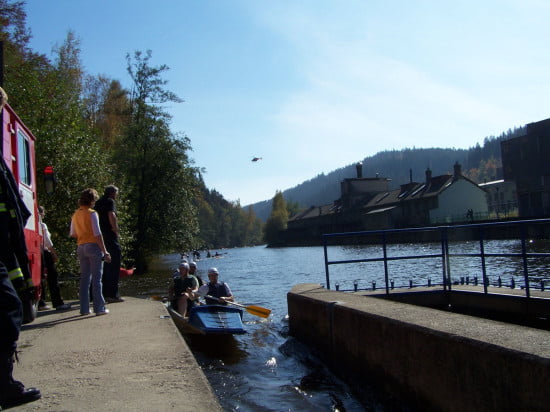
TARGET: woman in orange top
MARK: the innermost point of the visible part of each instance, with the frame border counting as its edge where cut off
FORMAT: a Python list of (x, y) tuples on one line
[(91, 251)]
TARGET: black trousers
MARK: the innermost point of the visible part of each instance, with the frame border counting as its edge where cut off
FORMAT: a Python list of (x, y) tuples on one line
[(111, 271), (52, 279), (11, 313)]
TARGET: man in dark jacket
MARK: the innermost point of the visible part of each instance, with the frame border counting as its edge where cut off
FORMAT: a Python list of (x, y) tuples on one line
[(108, 222)]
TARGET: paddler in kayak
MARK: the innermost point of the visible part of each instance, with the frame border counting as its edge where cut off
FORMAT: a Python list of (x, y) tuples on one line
[(181, 292), (219, 290)]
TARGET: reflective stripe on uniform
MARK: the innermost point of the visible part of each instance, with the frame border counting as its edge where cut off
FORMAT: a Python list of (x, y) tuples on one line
[(15, 274), (3, 208)]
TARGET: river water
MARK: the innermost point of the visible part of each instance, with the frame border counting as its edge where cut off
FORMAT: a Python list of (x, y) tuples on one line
[(265, 369)]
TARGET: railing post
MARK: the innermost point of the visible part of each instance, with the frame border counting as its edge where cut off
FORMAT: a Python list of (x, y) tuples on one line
[(445, 259), (385, 252), (524, 257), (482, 253), (326, 262)]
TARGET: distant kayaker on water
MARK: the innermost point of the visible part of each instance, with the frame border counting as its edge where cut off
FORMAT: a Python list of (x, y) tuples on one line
[(216, 289)]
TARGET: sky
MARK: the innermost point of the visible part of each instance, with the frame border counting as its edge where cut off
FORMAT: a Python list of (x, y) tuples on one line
[(311, 86)]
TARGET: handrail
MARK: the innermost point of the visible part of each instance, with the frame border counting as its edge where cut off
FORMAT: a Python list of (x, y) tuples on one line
[(479, 231)]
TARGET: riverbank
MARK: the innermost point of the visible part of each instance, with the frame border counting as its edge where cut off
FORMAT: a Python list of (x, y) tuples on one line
[(131, 359)]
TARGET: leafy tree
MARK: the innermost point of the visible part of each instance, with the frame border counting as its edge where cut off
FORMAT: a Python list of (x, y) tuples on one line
[(13, 24), (277, 221), (46, 95), (161, 182), (94, 133), (107, 107), (223, 223), (293, 207), (253, 229)]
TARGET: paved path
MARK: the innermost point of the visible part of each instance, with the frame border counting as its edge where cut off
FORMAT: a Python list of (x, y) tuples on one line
[(133, 359)]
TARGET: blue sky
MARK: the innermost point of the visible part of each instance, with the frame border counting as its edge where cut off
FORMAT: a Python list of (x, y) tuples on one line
[(312, 86)]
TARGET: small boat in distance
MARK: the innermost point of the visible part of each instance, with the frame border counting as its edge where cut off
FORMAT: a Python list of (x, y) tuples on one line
[(209, 320)]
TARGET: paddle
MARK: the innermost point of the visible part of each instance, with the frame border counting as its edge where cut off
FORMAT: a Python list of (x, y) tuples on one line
[(252, 309)]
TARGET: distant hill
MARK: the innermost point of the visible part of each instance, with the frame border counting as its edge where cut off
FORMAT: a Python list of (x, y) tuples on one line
[(398, 165)]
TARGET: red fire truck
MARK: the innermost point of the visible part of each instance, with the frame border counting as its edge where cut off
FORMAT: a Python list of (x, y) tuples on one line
[(18, 153)]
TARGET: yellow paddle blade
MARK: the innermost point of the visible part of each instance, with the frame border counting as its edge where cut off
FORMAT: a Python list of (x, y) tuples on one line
[(258, 311)]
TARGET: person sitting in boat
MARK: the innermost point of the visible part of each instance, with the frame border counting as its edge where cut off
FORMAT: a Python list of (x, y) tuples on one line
[(182, 291), (219, 290), (193, 271)]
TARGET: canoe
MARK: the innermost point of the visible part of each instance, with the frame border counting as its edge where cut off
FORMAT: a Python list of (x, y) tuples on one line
[(209, 320)]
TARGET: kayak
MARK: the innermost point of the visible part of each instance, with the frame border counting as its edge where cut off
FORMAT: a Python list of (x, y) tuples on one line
[(126, 272), (209, 320)]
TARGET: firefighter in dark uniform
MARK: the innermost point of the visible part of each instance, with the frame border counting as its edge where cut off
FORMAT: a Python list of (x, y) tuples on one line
[(14, 278)]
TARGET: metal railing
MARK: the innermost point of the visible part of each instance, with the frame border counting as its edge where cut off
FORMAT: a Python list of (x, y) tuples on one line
[(521, 230)]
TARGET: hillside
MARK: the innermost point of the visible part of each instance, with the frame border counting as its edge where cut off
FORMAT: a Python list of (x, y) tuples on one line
[(480, 163)]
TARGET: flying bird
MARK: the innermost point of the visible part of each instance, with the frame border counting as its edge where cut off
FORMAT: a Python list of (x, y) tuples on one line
[(255, 159)]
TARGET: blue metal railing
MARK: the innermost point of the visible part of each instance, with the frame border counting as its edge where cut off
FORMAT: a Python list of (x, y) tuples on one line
[(444, 234)]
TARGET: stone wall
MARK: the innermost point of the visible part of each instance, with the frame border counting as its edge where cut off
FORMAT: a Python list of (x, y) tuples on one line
[(431, 359)]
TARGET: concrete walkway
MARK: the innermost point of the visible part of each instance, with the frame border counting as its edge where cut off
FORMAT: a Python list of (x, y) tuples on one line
[(133, 359)]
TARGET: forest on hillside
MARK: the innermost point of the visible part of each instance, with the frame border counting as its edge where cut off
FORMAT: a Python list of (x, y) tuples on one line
[(481, 163)]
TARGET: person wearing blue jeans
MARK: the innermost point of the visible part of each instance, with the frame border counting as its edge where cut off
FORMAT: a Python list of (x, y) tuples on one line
[(91, 270), (91, 252)]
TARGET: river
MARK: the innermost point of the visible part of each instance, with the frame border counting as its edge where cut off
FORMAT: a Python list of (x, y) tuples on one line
[(265, 369)]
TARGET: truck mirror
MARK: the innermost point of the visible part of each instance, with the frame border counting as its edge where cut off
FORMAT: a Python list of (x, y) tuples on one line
[(49, 179)]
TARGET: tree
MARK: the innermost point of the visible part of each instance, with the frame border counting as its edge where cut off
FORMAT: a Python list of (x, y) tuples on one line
[(253, 228), (47, 96), (161, 182), (107, 107), (277, 222)]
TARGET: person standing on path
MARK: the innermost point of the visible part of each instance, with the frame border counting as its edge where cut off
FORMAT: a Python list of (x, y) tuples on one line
[(108, 222), (91, 251), (49, 256)]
